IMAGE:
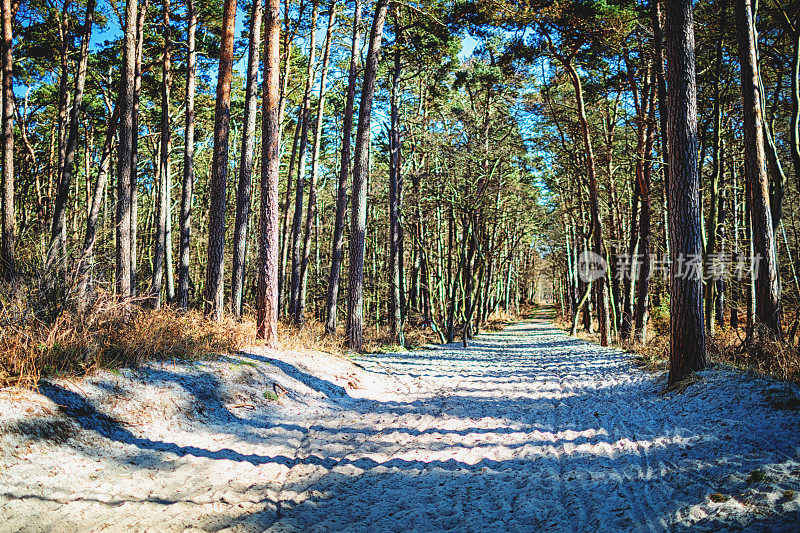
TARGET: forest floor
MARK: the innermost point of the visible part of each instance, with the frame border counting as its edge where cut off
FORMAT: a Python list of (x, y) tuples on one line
[(526, 430)]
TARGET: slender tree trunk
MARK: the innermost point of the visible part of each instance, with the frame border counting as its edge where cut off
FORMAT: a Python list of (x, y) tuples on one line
[(297, 220), (219, 169), (182, 297), (169, 261), (90, 237), (244, 190), (358, 220), (344, 175), (58, 229), (311, 211), (7, 257), (601, 286), (160, 241), (267, 303), (395, 190), (716, 166), (125, 153), (687, 338), (794, 127), (285, 236), (661, 94), (134, 194), (767, 288), (63, 106), (643, 277)]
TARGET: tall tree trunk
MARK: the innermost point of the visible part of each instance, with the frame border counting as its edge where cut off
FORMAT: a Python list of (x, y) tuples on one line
[(687, 337), (63, 106), (661, 94), (90, 237), (716, 174), (311, 212), (160, 241), (7, 255), (58, 230), (125, 153), (395, 192), (244, 189), (137, 89), (766, 274), (358, 219), (169, 262), (643, 274), (601, 286), (285, 235), (344, 174), (297, 220), (182, 297), (219, 169), (267, 303), (794, 127)]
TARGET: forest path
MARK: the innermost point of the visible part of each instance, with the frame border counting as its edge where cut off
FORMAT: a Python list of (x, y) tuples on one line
[(531, 430), (527, 429)]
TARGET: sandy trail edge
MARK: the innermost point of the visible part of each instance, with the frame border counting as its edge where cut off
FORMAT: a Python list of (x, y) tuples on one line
[(527, 429)]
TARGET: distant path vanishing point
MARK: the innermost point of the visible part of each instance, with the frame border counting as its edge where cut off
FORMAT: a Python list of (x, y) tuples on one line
[(526, 430)]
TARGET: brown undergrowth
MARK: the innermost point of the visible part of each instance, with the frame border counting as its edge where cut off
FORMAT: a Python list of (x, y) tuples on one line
[(44, 338), (44, 332), (760, 352)]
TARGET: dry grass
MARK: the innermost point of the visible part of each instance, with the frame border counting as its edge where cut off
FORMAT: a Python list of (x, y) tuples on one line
[(38, 340), (761, 352)]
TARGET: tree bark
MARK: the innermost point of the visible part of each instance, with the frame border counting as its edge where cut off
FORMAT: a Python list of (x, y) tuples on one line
[(182, 296), (125, 153), (267, 303), (395, 197), (134, 194), (601, 286), (160, 241), (7, 256), (687, 337), (643, 274), (297, 220), (219, 169), (244, 189), (311, 211), (58, 229), (766, 274), (358, 220), (344, 175)]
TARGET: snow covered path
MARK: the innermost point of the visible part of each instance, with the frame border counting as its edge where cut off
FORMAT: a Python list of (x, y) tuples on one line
[(532, 430), (526, 430)]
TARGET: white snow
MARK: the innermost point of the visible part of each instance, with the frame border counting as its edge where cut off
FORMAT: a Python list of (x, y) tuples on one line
[(526, 430)]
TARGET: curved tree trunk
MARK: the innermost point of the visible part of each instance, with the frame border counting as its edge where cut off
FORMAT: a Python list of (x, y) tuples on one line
[(766, 273), (601, 286)]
